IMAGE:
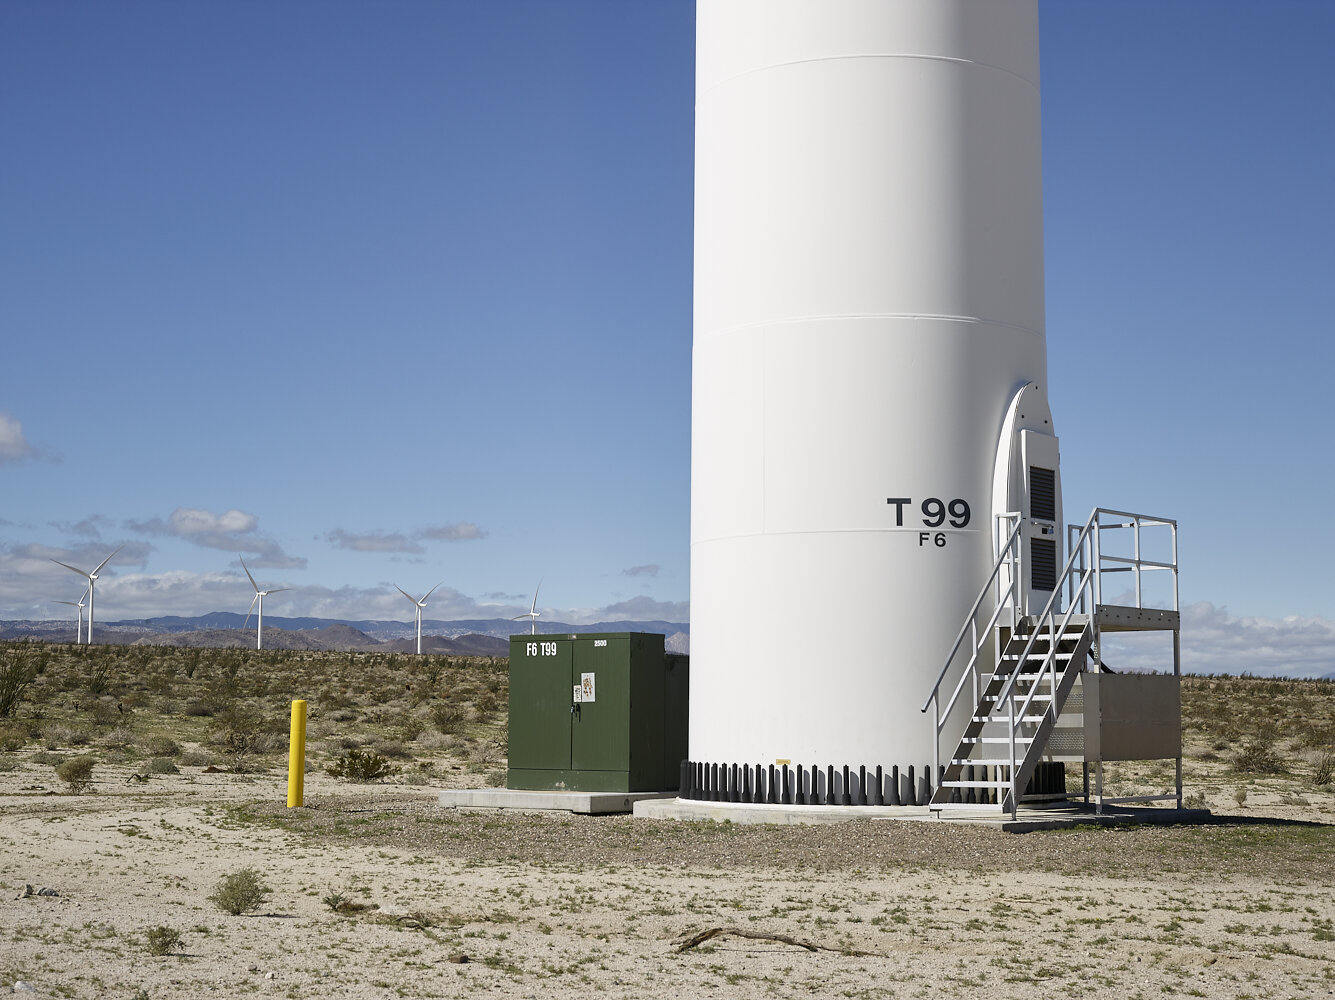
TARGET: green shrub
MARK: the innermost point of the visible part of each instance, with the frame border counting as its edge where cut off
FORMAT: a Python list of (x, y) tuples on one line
[(162, 765), (196, 758), (16, 673), (163, 940), (77, 772), (241, 891), (162, 746), (12, 737), (358, 765)]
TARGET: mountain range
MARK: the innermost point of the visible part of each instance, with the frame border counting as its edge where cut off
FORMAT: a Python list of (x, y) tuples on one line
[(220, 629)]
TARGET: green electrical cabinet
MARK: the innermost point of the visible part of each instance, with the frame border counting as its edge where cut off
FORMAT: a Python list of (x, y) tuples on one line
[(596, 712)]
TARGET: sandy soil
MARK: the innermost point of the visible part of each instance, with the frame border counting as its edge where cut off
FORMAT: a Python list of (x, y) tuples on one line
[(903, 914)]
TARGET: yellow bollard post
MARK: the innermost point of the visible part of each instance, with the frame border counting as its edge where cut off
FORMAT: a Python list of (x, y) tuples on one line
[(296, 756)]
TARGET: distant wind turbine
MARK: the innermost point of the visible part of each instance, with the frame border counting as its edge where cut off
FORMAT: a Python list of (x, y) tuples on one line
[(78, 634), (92, 578), (532, 614), (259, 596), (417, 609)]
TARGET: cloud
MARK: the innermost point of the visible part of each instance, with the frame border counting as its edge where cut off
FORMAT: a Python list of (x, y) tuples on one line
[(373, 541), (13, 446), (89, 527), (646, 609), (464, 531), (230, 531), (30, 582), (1216, 642), (397, 541), (649, 570)]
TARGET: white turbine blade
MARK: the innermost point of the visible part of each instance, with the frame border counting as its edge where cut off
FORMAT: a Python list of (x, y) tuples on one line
[(70, 603), (517, 617), (251, 578), (405, 593), (252, 608), (278, 591), (422, 602), (535, 596), (104, 562), (68, 566)]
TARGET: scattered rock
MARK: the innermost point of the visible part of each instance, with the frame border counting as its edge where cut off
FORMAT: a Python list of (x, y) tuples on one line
[(47, 891), (211, 770), (252, 968), (271, 975), (27, 891), (21, 987), (459, 958)]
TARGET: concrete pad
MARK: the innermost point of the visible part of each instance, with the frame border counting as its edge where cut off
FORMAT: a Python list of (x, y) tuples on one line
[(1048, 817), (759, 812), (589, 803)]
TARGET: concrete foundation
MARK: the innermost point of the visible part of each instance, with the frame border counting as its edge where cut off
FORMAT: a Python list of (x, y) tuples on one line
[(588, 803), (1053, 817)]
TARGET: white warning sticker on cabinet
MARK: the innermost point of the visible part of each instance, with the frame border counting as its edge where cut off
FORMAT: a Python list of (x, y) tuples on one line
[(586, 687)]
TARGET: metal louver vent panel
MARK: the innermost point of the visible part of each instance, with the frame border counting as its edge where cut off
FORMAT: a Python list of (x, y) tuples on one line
[(1042, 564), (1042, 494)]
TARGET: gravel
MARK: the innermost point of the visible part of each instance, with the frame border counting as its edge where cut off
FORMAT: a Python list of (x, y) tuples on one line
[(1291, 852)]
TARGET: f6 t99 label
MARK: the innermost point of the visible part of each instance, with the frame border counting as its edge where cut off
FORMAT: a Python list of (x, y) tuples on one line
[(935, 513), (540, 648)]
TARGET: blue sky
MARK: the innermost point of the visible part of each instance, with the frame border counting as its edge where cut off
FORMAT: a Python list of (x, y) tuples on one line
[(401, 293)]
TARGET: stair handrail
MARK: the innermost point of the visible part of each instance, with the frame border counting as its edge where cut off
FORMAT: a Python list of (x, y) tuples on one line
[(1006, 552), (1048, 614), (1090, 580)]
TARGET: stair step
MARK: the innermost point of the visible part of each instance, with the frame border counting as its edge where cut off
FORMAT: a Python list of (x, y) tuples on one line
[(986, 761), (977, 740), (976, 784), (971, 806), (1020, 695), (1033, 719)]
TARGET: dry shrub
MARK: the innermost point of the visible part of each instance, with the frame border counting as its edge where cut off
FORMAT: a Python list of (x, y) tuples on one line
[(446, 718), (77, 773), (1259, 756), (391, 749), (1323, 768), (13, 737)]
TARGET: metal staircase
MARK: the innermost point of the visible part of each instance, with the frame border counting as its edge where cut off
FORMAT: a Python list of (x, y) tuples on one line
[(1021, 668)]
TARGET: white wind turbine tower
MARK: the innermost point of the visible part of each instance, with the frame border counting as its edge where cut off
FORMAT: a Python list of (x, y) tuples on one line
[(532, 613), (259, 596), (92, 578), (78, 634), (417, 609)]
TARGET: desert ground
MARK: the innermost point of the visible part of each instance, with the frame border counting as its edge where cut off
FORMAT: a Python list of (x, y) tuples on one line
[(377, 891)]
